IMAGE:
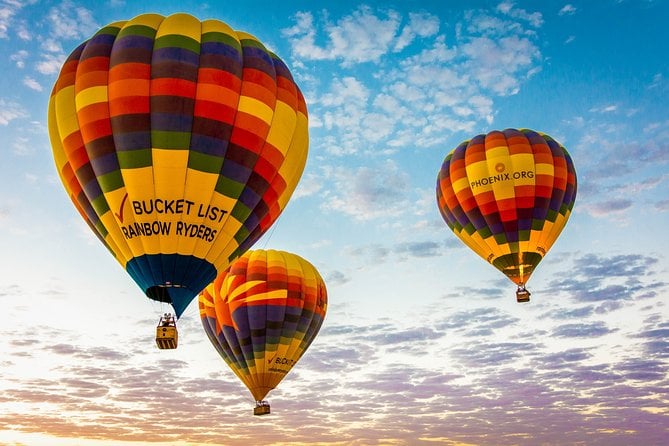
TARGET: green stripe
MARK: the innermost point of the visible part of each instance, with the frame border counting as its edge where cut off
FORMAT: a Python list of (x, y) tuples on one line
[(537, 225), (241, 212), (205, 163), (100, 205), (138, 30), (177, 41), (253, 43), (163, 139), (111, 181), (134, 159), (102, 231), (220, 37), (228, 187)]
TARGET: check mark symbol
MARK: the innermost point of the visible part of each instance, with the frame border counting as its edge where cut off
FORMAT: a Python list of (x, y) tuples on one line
[(120, 214)]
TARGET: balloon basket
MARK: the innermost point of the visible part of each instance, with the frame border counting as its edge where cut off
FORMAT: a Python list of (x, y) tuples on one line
[(522, 295), (167, 336), (262, 408)]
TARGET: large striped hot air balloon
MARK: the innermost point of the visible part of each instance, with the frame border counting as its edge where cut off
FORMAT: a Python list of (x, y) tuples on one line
[(179, 142), (508, 195), (262, 314)]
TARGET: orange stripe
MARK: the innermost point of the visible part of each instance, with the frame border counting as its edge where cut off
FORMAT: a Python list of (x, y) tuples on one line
[(173, 87), (92, 113), (219, 77), (217, 93), (129, 105), (130, 70), (96, 129), (252, 124), (215, 111), (260, 93), (129, 87)]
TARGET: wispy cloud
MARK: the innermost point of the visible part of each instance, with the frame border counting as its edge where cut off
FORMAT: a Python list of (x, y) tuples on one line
[(10, 111), (32, 83), (567, 9), (368, 192), (448, 85)]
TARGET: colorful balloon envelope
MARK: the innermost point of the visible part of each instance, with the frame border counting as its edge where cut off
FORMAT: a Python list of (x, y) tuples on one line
[(179, 142), (508, 195), (262, 314)]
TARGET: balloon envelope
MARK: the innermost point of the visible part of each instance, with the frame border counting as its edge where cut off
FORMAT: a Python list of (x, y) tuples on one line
[(179, 142), (262, 314), (508, 195)]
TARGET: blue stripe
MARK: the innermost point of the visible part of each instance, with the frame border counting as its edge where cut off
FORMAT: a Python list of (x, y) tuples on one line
[(171, 278)]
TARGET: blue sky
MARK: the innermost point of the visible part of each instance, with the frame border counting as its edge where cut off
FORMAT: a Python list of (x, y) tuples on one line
[(423, 342)]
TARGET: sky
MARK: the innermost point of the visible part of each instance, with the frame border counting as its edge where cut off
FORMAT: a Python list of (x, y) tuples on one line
[(423, 343)]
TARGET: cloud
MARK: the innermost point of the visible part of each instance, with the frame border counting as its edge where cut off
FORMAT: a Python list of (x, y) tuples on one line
[(50, 63), (534, 19), (420, 24), (567, 9), (412, 97), (359, 37), (589, 330), (335, 277), (32, 83), (662, 205), (611, 281), (20, 58), (368, 193), (69, 21), (494, 63), (10, 111), (605, 208), (9, 9)]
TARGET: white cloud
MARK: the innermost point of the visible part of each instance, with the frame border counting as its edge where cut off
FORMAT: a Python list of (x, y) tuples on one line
[(420, 24), (495, 63), (23, 32), (567, 9), (535, 19), (32, 83), (369, 193), (359, 37), (50, 63), (8, 10), (309, 185), (71, 22), (22, 147), (346, 90), (52, 45), (20, 58), (10, 111), (422, 96), (604, 109)]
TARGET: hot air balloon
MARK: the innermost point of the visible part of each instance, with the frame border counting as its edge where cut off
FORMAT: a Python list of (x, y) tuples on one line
[(261, 315), (179, 142), (508, 195)]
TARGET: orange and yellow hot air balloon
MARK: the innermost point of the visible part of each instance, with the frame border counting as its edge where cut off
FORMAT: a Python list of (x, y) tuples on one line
[(508, 195), (262, 314), (180, 142)]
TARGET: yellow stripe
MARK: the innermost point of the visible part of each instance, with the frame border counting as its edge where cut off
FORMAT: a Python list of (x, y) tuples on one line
[(181, 24), (92, 95), (460, 184), (544, 169), (255, 108), (66, 115), (270, 295), (218, 26), (149, 20), (283, 127)]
